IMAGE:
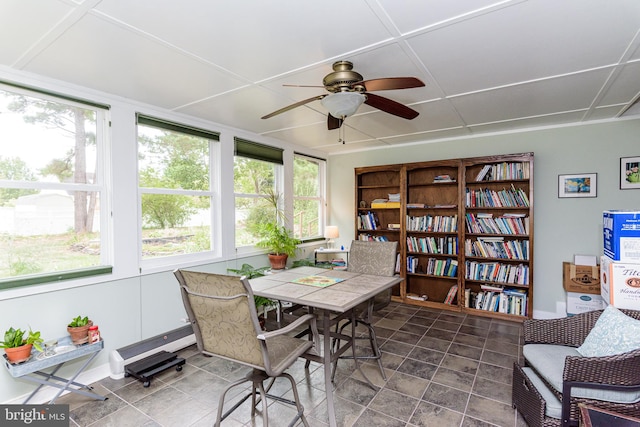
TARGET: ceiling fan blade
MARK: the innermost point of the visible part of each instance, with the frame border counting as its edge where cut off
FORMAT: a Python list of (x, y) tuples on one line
[(292, 106), (391, 83), (333, 122), (392, 107)]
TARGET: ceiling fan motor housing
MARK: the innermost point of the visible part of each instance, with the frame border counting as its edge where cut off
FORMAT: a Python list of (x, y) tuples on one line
[(342, 78)]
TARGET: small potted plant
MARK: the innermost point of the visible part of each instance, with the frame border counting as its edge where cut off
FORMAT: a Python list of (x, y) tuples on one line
[(79, 329), (279, 242), (17, 347)]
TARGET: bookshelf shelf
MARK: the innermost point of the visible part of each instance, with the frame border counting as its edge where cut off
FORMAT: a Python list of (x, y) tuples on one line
[(443, 204)]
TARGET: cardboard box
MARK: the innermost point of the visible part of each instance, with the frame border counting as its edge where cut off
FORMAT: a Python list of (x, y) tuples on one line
[(583, 279), (621, 232), (580, 303), (620, 283)]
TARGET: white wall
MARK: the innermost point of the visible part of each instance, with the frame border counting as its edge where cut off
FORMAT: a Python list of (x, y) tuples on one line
[(563, 227)]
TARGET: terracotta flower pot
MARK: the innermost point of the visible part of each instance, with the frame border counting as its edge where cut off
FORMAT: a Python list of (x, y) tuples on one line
[(19, 354), (80, 334), (278, 262)]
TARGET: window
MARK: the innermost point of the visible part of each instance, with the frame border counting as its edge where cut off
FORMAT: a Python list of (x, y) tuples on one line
[(54, 209), (308, 197), (256, 175), (176, 188)]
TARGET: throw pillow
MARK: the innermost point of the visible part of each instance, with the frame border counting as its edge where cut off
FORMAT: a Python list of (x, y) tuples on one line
[(613, 333)]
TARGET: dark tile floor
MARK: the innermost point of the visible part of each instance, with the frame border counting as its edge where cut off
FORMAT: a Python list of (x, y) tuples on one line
[(443, 369)]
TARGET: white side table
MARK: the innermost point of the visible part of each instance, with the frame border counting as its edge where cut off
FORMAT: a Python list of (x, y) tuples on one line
[(329, 254)]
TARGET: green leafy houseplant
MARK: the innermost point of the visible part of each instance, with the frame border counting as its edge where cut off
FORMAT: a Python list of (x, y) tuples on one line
[(14, 338), (79, 321), (277, 240), (78, 328)]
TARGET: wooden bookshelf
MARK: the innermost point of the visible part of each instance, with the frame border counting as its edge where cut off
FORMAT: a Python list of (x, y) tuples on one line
[(458, 237)]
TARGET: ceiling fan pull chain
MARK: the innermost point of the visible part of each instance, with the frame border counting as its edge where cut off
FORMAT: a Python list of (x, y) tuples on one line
[(341, 132)]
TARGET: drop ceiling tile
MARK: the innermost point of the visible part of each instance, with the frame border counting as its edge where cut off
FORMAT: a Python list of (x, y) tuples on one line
[(420, 13), (256, 39), (518, 124), (625, 86), (20, 28), (110, 58), (526, 42), (533, 99)]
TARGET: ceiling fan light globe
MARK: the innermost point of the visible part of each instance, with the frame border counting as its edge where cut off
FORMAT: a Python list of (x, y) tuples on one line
[(343, 104)]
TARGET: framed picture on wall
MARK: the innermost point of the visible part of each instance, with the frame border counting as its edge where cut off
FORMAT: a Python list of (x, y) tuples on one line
[(577, 185), (629, 174)]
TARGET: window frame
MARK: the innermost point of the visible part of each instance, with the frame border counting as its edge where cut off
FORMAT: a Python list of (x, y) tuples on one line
[(213, 193), (322, 195), (261, 152), (102, 186)]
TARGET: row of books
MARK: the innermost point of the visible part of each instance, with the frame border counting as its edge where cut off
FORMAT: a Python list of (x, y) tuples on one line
[(503, 171), (424, 205), (368, 221), (508, 301), (496, 199), (497, 272), (433, 245), (484, 223), (497, 248), (371, 238), (434, 267), (433, 223)]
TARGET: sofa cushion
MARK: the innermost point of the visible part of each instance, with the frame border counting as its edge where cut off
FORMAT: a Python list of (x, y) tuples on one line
[(548, 361), (613, 333), (553, 407)]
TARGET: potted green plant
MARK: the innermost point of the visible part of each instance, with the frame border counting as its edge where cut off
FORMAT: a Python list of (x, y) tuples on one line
[(78, 328), (17, 347), (279, 242)]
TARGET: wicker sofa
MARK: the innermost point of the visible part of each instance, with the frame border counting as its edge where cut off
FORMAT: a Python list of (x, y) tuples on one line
[(555, 377)]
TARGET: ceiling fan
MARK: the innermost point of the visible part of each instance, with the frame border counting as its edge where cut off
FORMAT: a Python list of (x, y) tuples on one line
[(348, 90)]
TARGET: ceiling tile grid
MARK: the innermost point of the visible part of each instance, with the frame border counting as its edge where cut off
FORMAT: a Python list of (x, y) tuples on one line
[(487, 65)]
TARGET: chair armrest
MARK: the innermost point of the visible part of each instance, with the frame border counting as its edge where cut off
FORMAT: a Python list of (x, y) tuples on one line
[(307, 318), (619, 369), (569, 331)]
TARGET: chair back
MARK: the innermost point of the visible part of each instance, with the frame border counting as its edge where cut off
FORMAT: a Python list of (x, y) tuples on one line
[(223, 314), (377, 258)]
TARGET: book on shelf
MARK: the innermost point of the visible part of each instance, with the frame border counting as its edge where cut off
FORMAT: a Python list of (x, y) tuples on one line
[(451, 295), (467, 297), (417, 297), (416, 205), (384, 204), (443, 178), (483, 172), (394, 197)]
